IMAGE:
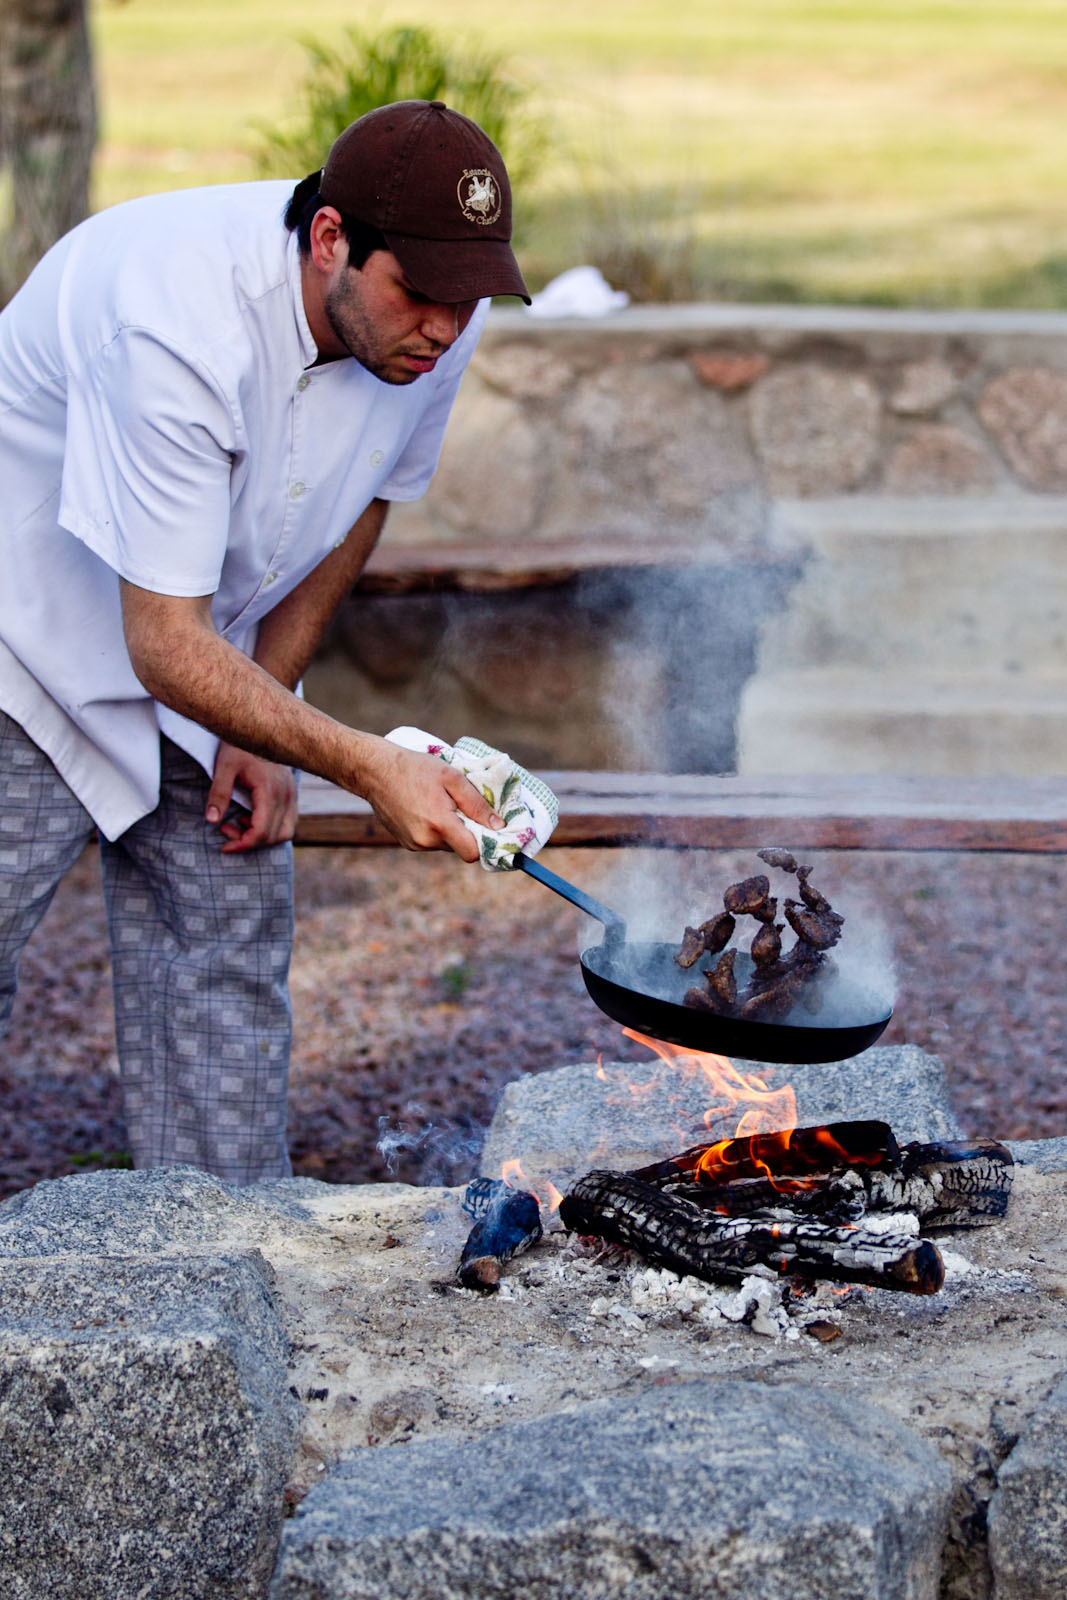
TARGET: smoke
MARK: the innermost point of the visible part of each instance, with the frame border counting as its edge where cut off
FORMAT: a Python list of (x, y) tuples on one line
[(681, 643), (433, 1154)]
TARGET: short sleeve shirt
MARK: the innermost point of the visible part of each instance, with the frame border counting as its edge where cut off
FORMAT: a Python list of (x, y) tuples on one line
[(162, 420)]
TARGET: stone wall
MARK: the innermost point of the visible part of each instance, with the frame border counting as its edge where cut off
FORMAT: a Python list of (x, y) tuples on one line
[(715, 502)]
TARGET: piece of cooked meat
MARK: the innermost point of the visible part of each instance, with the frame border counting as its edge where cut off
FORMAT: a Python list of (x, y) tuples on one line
[(778, 858), (818, 929), (774, 992), (810, 896), (721, 979), (748, 896), (716, 932), (772, 1002), (767, 945), (693, 948), (700, 1000)]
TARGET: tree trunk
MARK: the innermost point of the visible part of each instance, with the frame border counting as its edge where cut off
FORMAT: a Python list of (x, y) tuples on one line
[(47, 127)]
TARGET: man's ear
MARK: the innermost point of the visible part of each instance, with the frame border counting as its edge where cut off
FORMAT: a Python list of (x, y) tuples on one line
[(329, 247)]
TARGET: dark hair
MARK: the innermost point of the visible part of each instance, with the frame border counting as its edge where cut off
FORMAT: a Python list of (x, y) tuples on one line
[(305, 200)]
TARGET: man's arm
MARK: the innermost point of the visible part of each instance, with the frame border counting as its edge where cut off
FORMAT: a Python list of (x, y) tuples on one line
[(290, 634), (287, 639), (183, 662)]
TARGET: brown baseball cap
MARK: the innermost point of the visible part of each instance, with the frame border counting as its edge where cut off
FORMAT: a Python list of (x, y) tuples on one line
[(436, 186)]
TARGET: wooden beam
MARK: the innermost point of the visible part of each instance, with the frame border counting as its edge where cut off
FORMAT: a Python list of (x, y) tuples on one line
[(485, 568), (693, 811)]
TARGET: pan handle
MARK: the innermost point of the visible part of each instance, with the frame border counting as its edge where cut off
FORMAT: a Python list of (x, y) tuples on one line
[(615, 926)]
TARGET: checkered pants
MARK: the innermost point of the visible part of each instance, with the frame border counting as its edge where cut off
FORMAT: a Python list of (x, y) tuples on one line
[(200, 946)]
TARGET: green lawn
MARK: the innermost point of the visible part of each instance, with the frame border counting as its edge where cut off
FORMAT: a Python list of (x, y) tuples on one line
[(820, 150)]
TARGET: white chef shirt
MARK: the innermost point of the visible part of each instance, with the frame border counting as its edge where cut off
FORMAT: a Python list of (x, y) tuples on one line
[(161, 418)]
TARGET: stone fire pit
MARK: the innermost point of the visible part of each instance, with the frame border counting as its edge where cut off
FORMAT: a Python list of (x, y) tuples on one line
[(184, 1362)]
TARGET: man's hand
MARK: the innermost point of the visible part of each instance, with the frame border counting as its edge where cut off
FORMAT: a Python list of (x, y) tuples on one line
[(274, 800), (186, 664), (418, 797)]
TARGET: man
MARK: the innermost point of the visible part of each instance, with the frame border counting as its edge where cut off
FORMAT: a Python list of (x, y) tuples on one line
[(207, 400)]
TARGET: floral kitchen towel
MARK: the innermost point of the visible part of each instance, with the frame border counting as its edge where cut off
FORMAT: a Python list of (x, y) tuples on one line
[(529, 808)]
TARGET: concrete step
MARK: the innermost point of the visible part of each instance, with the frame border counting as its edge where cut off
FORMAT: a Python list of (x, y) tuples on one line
[(956, 585), (839, 720)]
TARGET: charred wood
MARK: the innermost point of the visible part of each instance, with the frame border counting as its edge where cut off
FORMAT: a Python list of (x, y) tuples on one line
[(839, 1198), (675, 1233), (508, 1221), (796, 1153), (946, 1185)]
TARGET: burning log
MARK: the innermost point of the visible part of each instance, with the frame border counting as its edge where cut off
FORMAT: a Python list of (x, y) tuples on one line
[(947, 1185), (791, 1153), (507, 1222), (675, 1233), (845, 1169)]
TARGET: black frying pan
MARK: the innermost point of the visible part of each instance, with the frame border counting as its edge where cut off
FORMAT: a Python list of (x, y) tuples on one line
[(642, 987)]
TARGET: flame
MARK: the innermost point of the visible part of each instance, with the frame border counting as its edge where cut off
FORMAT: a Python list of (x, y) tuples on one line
[(769, 1113), (764, 1109), (546, 1194)]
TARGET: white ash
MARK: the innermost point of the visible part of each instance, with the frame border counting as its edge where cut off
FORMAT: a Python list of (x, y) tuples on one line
[(956, 1265), (760, 1302), (646, 1297), (891, 1222)]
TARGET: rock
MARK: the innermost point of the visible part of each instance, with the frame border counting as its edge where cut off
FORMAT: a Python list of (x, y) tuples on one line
[(816, 430), (924, 387), (177, 1210), (527, 371), (1028, 1511), (146, 1428), (562, 1123), (490, 481), (689, 1489), (1025, 410), (729, 370), (707, 456), (939, 459), (650, 434), (1047, 1155)]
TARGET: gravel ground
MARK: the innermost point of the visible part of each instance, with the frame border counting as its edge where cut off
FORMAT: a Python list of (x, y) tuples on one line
[(421, 987)]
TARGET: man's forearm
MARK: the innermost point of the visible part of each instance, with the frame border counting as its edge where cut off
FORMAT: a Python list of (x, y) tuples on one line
[(183, 662), (290, 634)]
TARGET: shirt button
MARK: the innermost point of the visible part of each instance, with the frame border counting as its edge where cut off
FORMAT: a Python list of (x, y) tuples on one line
[(297, 491), (303, 381), (270, 578), (377, 457)]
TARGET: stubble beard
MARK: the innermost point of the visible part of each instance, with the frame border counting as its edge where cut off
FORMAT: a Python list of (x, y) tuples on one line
[(347, 316)]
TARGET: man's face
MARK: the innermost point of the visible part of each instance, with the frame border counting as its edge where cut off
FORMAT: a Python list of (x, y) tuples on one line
[(383, 321)]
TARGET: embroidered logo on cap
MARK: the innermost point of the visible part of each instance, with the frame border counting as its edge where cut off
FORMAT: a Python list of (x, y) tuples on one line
[(479, 195)]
